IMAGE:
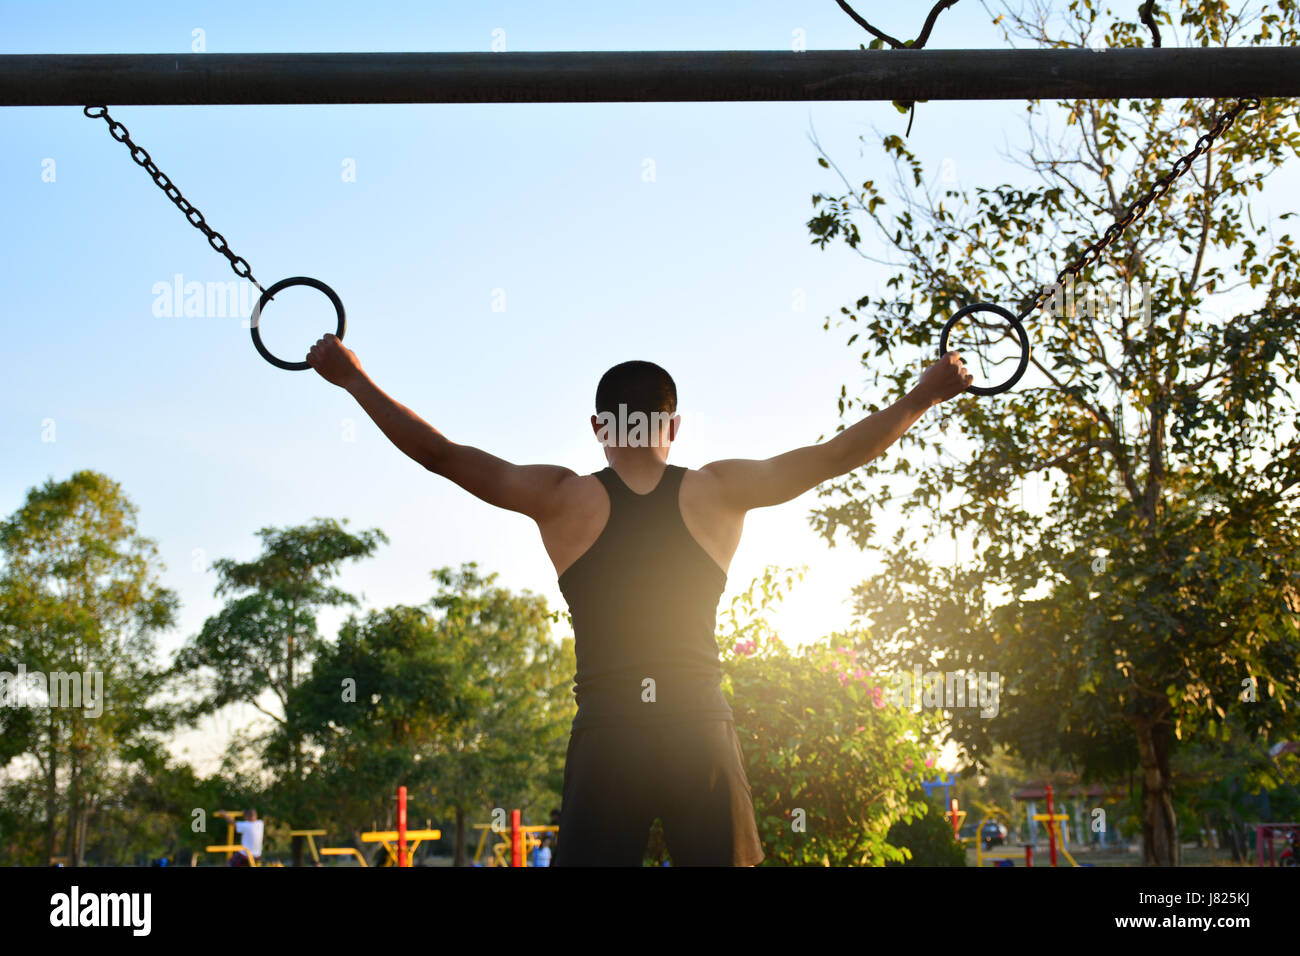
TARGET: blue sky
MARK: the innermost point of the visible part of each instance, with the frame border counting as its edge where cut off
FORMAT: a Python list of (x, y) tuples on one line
[(454, 209)]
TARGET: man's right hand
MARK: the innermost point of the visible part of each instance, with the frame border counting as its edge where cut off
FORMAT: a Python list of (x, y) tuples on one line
[(335, 362), (945, 379)]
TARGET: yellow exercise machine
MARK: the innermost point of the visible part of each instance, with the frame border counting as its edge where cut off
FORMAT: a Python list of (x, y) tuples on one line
[(231, 846), (500, 853)]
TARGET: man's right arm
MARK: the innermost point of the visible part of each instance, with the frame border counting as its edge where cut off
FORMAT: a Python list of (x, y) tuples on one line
[(534, 490)]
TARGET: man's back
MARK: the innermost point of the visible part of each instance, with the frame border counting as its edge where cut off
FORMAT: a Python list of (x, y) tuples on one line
[(644, 597), (583, 507)]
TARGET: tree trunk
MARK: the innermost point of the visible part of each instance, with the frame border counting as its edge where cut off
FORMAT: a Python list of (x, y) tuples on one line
[(461, 857), (1228, 827), (1240, 843), (1159, 821), (290, 729), (52, 792), (74, 800), (83, 824)]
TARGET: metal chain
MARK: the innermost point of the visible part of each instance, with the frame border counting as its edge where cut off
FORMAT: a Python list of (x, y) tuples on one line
[(141, 157), (1138, 207)]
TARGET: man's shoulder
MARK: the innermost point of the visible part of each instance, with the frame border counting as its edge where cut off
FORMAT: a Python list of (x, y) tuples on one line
[(705, 481)]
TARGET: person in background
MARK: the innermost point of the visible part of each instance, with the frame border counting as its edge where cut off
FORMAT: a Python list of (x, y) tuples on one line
[(542, 854), (250, 830)]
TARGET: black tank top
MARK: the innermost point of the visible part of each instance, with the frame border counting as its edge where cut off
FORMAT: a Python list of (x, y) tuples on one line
[(644, 600)]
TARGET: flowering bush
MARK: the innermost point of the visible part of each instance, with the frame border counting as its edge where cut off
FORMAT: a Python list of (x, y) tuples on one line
[(829, 757)]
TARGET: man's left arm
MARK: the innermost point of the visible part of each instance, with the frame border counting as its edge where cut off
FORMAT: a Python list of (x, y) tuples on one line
[(744, 484)]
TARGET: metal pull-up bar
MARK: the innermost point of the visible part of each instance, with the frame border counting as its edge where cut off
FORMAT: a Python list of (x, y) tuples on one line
[(622, 77)]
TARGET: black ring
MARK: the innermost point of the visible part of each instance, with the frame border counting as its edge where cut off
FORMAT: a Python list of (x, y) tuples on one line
[(269, 294), (1020, 333)]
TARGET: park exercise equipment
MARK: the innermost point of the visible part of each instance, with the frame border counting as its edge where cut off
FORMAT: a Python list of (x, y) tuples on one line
[(1053, 819), (309, 838), (906, 73), (994, 812), (344, 851), (399, 845), (955, 817), (390, 840), (515, 846), (232, 845), (1264, 834)]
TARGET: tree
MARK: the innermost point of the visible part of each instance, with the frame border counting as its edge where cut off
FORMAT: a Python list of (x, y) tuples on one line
[(514, 685), (374, 700), (265, 636), (1231, 782), (1156, 590), (466, 700), (80, 606)]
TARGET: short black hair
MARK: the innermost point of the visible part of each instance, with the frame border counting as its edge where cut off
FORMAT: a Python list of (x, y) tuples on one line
[(641, 386)]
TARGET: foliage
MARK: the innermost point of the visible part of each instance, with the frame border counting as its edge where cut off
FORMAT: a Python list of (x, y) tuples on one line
[(1153, 588), (265, 637), (79, 596), (464, 700), (928, 839), (831, 762)]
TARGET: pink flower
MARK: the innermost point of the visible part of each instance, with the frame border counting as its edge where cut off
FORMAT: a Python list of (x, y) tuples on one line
[(745, 648), (929, 761), (870, 673), (844, 678), (907, 764), (859, 674)]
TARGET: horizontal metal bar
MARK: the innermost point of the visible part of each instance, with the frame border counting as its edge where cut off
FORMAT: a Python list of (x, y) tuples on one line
[(621, 77)]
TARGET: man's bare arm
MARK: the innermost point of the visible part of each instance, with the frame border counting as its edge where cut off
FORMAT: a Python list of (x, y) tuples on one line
[(533, 490), (744, 484)]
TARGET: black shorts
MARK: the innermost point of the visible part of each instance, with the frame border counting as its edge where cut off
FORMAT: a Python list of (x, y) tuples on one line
[(690, 775)]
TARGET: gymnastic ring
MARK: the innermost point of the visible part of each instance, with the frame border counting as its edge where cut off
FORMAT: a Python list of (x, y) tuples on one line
[(1020, 333), (269, 294)]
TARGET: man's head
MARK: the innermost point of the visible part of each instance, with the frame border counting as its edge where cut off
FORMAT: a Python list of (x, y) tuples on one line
[(636, 407)]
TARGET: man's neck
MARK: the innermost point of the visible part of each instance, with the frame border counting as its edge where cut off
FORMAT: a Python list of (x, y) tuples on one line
[(638, 466)]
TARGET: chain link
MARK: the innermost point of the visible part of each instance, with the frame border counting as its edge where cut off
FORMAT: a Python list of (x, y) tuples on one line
[(141, 157), (1138, 207)]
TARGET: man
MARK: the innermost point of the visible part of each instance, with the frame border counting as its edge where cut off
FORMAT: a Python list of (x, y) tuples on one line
[(250, 830), (642, 549)]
